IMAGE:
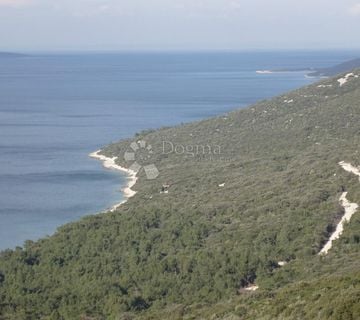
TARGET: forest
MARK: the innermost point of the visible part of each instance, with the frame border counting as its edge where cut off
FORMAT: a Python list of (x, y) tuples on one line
[(270, 194)]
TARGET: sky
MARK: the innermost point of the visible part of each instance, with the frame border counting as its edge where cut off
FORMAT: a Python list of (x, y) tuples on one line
[(102, 25)]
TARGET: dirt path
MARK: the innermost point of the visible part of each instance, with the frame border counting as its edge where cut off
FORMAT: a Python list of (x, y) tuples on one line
[(350, 209)]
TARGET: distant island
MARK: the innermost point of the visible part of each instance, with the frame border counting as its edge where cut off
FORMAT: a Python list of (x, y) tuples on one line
[(320, 72), (11, 55), (286, 70)]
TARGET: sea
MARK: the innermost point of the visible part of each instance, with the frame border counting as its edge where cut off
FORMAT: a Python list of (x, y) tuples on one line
[(56, 108)]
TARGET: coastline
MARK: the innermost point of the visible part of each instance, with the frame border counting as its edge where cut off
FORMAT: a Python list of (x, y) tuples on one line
[(267, 71), (109, 163)]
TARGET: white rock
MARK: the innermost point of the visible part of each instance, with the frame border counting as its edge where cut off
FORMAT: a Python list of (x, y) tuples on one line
[(344, 80)]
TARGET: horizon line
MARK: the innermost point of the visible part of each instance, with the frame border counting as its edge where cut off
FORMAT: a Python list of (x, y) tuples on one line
[(144, 51)]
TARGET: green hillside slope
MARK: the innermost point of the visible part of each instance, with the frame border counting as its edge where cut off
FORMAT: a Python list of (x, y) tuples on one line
[(246, 190)]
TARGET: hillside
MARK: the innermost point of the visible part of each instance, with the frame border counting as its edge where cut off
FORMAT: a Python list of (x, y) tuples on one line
[(340, 68), (244, 191)]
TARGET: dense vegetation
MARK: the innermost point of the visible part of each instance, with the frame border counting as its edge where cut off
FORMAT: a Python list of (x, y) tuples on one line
[(270, 193)]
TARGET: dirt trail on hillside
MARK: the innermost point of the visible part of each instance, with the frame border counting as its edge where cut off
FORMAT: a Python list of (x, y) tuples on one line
[(350, 209)]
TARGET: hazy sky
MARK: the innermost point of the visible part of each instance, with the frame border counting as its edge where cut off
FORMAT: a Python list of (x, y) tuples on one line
[(178, 24)]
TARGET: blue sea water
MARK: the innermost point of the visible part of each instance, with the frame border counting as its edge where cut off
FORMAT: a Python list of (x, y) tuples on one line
[(57, 108)]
